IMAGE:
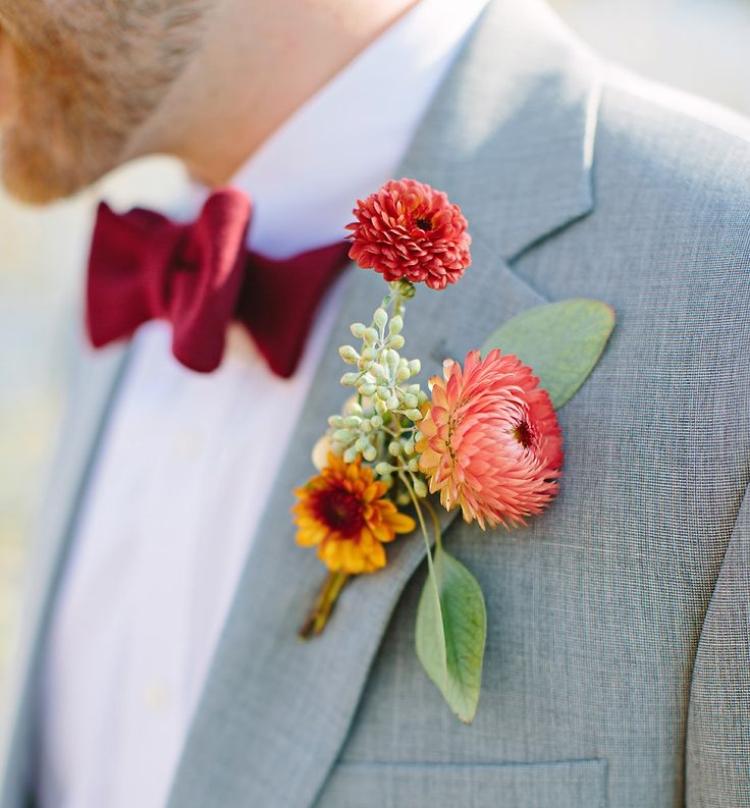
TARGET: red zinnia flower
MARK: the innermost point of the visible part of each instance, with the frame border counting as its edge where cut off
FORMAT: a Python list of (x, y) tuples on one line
[(491, 441), (409, 230)]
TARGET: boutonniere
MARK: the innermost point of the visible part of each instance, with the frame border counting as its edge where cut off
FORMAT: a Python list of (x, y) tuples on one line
[(484, 437)]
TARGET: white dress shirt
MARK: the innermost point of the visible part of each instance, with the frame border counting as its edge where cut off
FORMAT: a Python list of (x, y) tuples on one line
[(188, 460)]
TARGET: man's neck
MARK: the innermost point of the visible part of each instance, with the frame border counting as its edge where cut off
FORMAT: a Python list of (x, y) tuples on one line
[(259, 63)]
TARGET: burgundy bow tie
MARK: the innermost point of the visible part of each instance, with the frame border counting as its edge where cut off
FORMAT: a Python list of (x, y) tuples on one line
[(199, 277)]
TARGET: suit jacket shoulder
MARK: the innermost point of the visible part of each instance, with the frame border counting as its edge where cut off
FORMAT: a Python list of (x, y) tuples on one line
[(678, 156)]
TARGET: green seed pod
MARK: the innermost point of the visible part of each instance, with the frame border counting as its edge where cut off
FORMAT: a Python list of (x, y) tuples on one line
[(392, 359), (348, 354), (380, 318), (379, 372)]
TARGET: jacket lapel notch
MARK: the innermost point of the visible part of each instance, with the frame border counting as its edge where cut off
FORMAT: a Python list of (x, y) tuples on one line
[(510, 135)]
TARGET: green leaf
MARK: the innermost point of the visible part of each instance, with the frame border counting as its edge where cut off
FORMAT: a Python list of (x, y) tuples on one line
[(451, 633), (562, 342)]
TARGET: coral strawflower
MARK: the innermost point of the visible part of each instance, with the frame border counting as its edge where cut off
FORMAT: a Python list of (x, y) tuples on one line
[(408, 230), (345, 513), (491, 442)]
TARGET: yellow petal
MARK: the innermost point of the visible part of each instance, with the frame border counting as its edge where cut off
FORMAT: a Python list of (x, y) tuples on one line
[(402, 523), (309, 538), (382, 531), (376, 556), (353, 560)]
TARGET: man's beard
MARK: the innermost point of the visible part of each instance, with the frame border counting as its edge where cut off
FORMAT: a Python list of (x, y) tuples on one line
[(80, 101), (39, 167)]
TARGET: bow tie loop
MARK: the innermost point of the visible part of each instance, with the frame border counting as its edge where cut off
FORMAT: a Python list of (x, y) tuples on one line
[(144, 266)]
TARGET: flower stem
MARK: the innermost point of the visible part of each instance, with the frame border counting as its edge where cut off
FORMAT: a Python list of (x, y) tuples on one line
[(422, 524), (435, 524), (400, 292), (318, 617)]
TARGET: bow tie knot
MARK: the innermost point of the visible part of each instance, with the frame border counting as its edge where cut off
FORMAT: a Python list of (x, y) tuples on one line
[(200, 276)]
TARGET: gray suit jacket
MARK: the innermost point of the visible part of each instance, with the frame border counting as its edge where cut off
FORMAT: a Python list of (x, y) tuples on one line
[(617, 670)]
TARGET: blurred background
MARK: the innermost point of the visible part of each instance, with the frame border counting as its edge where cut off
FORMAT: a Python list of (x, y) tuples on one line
[(698, 45)]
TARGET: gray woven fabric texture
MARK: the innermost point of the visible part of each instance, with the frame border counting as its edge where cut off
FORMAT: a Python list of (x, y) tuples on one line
[(617, 670)]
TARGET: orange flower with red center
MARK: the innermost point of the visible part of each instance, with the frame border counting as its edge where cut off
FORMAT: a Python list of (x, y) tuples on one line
[(408, 230), (491, 442), (345, 514)]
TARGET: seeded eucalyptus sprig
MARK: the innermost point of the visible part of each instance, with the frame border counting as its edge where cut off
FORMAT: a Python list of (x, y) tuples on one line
[(381, 424)]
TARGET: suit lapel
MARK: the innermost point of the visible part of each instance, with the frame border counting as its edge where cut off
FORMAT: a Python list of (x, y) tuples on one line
[(95, 386), (509, 138)]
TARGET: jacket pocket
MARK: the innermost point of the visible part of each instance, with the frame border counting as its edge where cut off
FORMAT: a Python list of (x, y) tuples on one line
[(564, 784)]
